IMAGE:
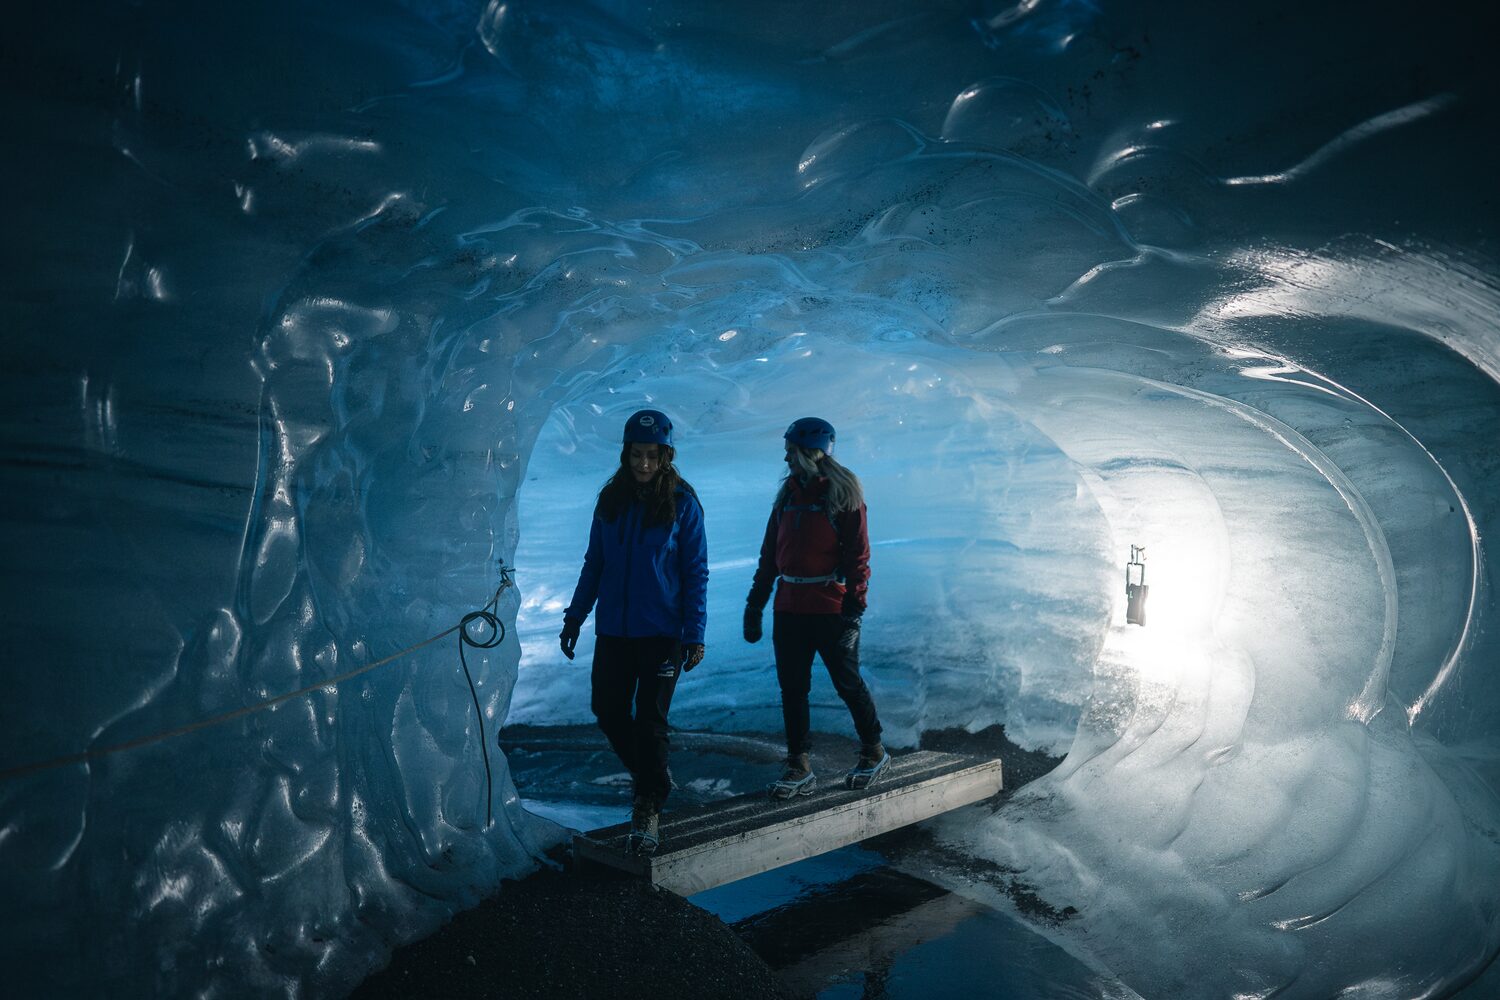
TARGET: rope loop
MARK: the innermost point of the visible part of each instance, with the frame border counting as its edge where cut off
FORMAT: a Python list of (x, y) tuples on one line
[(494, 624), (489, 615)]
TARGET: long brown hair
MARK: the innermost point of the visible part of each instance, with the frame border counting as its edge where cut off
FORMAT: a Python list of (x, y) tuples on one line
[(660, 495)]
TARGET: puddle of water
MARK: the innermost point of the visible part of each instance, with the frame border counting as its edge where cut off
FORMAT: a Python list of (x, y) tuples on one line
[(577, 815), (740, 900), (846, 924), (852, 926), (984, 954)]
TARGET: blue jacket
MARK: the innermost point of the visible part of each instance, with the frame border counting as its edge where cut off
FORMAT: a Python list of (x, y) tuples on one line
[(649, 580)]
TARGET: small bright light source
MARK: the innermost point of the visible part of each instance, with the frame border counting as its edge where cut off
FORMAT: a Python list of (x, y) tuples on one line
[(1135, 586)]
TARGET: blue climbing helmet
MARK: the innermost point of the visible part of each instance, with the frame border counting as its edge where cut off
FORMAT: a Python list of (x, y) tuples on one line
[(812, 432), (648, 427)]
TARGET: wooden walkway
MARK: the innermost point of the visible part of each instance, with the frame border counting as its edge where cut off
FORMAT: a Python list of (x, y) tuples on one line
[(709, 845)]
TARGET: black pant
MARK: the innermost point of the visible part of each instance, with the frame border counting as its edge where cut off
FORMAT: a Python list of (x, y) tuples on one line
[(796, 638), (646, 671)]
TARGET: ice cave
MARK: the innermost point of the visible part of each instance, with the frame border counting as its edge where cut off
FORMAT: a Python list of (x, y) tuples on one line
[(319, 313)]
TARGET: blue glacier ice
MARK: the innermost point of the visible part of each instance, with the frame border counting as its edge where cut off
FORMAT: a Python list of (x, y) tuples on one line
[(313, 314)]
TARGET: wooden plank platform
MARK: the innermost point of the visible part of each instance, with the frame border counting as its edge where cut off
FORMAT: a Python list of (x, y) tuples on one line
[(709, 845)]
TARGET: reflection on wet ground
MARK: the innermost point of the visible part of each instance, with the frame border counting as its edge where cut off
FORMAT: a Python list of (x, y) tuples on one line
[(896, 916)]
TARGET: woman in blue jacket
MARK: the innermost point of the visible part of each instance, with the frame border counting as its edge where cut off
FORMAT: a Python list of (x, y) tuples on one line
[(647, 567)]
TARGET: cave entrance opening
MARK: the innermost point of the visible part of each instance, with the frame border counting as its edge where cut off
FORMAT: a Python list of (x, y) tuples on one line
[(989, 585)]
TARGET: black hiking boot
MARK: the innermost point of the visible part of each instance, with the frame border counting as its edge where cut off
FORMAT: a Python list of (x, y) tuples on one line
[(872, 761), (796, 778), (645, 820)]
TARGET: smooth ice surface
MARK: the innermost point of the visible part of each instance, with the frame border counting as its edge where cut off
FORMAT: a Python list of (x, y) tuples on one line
[(312, 314)]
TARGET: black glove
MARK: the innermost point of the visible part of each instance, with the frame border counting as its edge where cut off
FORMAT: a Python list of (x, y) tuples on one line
[(692, 656), (568, 638), (752, 623), (849, 632)]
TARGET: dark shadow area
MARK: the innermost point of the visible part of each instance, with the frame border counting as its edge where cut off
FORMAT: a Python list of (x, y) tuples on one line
[(561, 934), (566, 932)]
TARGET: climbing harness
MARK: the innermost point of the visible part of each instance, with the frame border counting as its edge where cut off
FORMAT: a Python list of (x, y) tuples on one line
[(826, 578), (1135, 586), (488, 615), (834, 577)]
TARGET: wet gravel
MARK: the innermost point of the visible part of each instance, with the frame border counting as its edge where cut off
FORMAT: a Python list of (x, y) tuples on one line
[(559, 935), (1020, 767)]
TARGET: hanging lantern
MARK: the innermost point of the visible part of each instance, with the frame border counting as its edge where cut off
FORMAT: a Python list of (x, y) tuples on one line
[(1135, 586)]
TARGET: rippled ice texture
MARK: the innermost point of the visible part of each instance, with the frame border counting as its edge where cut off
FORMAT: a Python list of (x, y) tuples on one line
[(298, 296)]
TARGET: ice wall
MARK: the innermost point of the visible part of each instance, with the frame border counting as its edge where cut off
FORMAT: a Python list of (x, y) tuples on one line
[(298, 296)]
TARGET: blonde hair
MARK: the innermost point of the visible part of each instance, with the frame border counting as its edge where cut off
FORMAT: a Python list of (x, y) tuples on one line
[(844, 490)]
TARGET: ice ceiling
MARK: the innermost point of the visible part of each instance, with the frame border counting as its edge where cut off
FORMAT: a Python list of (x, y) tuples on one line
[(300, 297)]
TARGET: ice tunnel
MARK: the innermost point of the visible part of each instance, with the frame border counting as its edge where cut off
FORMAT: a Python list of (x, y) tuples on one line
[(316, 314)]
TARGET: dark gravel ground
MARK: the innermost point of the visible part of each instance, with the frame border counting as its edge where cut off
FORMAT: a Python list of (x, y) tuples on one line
[(561, 935), (1020, 766)]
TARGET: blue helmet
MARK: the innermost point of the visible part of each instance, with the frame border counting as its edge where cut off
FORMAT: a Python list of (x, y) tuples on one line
[(812, 432), (648, 427)]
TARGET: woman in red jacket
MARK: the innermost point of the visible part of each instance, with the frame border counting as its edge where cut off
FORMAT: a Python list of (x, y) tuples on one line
[(816, 553)]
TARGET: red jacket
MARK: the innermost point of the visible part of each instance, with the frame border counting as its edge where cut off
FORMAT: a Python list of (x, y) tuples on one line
[(804, 540)]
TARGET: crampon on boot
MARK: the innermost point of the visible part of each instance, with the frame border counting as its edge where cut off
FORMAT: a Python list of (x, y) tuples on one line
[(872, 761), (645, 818), (796, 779)]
